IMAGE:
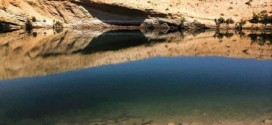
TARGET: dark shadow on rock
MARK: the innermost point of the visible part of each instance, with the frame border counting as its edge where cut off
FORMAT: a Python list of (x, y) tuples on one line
[(117, 15), (88, 44), (115, 40)]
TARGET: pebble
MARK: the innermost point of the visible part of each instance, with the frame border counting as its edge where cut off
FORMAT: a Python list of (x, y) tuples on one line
[(171, 123), (147, 123), (196, 123), (267, 121)]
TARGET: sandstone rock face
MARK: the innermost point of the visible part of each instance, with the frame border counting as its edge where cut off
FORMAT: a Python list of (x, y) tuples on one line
[(44, 12), (125, 12)]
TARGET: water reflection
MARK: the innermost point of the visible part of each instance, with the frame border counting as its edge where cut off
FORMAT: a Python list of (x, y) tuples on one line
[(261, 38), (115, 40), (46, 52), (155, 91), (159, 78), (220, 35)]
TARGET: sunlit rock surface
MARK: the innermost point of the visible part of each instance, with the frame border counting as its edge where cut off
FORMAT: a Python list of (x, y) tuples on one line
[(101, 13)]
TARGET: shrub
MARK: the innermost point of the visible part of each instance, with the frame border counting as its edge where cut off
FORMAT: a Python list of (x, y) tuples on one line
[(221, 20), (218, 22), (182, 21), (264, 19), (34, 19), (239, 25), (255, 19), (57, 26), (28, 25), (229, 21)]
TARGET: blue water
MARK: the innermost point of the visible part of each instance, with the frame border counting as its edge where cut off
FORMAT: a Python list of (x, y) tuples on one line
[(163, 88)]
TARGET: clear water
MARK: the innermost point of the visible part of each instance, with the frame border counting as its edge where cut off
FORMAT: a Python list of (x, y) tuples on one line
[(157, 90)]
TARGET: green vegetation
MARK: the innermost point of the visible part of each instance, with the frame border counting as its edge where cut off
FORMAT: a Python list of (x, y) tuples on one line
[(255, 19), (239, 25), (28, 25), (34, 19), (262, 18), (218, 22), (57, 26), (229, 21), (182, 21), (221, 20)]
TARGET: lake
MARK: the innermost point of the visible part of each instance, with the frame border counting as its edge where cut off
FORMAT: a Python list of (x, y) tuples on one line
[(135, 78)]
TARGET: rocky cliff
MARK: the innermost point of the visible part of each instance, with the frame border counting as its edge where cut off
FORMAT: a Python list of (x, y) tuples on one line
[(104, 13)]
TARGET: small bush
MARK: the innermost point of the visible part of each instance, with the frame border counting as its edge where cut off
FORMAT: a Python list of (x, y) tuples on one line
[(219, 21), (262, 18), (34, 19), (57, 26), (229, 21), (182, 21), (239, 25), (255, 19), (28, 25)]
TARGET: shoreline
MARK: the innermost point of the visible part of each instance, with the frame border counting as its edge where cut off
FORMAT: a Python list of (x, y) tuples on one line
[(155, 28), (148, 44)]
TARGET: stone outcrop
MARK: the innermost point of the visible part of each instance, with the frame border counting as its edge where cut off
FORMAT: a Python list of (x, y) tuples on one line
[(105, 13)]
